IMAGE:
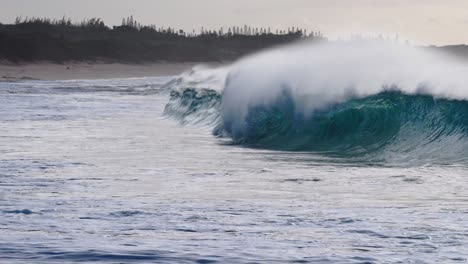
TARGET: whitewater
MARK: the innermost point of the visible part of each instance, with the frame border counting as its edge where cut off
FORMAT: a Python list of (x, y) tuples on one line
[(321, 153)]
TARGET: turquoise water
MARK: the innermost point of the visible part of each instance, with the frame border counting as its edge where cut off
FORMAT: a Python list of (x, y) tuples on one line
[(388, 128), (115, 171)]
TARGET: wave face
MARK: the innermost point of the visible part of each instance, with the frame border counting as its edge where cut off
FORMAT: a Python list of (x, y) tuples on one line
[(376, 102), (195, 96), (389, 123), (194, 106)]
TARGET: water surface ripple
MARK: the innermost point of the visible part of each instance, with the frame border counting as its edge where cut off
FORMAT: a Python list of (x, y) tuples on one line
[(93, 172)]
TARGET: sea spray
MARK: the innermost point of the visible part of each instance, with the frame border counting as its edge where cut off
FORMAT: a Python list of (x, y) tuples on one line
[(319, 75), (372, 100)]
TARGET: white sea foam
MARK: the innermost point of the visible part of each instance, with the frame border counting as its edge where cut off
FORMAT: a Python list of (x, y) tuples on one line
[(317, 75)]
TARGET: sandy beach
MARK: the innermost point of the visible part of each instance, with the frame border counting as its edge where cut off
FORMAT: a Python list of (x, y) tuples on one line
[(74, 71)]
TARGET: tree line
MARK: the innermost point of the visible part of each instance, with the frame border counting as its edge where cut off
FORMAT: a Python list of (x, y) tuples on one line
[(32, 39)]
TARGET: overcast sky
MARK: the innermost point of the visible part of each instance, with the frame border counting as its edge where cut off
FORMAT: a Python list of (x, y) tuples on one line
[(421, 21)]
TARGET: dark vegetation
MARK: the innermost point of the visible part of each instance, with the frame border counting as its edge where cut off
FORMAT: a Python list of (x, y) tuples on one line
[(43, 39), (38, 39)]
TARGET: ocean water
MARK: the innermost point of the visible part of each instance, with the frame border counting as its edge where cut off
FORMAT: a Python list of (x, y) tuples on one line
[(161, 170)]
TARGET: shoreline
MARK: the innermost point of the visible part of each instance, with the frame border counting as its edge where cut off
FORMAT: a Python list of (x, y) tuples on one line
[(49, 71)]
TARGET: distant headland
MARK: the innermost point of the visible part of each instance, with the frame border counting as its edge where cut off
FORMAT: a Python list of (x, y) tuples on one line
[(60, 41), (43, 39)]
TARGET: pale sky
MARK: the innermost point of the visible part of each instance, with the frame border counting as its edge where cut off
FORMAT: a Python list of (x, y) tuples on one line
[(421, 21)]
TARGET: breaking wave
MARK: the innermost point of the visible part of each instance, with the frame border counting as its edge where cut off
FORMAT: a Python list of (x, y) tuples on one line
[(375, 102)]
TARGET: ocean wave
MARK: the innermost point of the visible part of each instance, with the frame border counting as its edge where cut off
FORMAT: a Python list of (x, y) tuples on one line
[(389, 124), (192, 106), (195, 96), (393, 121), (411, 108)]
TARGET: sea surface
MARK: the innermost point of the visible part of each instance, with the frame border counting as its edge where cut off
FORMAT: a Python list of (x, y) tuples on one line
[(137, 171)]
